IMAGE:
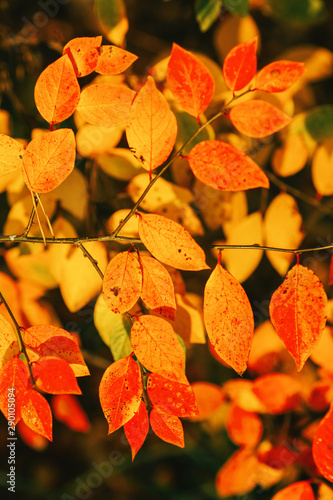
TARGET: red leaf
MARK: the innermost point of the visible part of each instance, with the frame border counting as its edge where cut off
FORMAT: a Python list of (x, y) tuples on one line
[(48, 340), (137, 429), (228, 318), (298, 312), (105, 104), (257, 118), (152, 127), (83, 53), (157, 288), (11, 152), (14, 374), (240, 65), (113, 60), (36, 413), (222, 166), (209, 398), (120, 392), (279, 76), (170, 243), (167, 427), (30, 437), (156, 346), (122, 282), (238, 475), (175, 397), (57, 91), (277, 391), (297, 491), (67, 409), (244, 427), (48, 160), (190, 81), (55, 376), (322, 447)]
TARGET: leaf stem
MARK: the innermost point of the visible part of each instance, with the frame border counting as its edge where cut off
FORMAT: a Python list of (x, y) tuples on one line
[(91, 258)]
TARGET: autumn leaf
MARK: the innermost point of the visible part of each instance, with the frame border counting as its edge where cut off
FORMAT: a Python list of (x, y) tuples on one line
[(167, 427), (209, 397), (48, 160), (228, 318), (277, 391), (14, 374), (322, 449), (11, 152), (122, 282), (238, 475), (296, 491), (240, 65), (36, 413), (30, 437), (120, 392), (8, 342), (156, 346), (83, 53), (157, 288), (258, 118), (190, 81), (106, 104), (113, 60), (152, 127), (279, 76), (222, 166), (137, 429), (67, 410), (244, 428), (175, 397), (57, 91), (170, 243), (55, 376), (298, 312)]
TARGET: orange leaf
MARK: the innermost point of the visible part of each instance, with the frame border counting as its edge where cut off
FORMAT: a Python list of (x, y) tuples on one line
[(170, 243), (83, 53), (209, 398), (137, 429), (238, 475), (167, 427), (240, 65), (67, 409), (156, 346), (30, 437), (244, 427), (228, 318), (36, 413), (190, 81), (14, 374), (11, 152), (152, 127), (322, 449), (57, 91), (222, 166), (175, 397), (277, 391), (257, 118), (48, 340), (279, 76), (298, 312), (122, 282), (55, 376), (296, 491), (48, 160), (113, 60), (8, 342), (120, 392), (157, 288), (105, 104)]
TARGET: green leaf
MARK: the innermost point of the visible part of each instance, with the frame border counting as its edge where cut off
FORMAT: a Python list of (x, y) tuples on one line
[(237, 7), (187, 125), (113, 328), (110, 14), (206, 12), (319, 122), (298, 11)]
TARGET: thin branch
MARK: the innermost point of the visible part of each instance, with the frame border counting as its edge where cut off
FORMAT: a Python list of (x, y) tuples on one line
[(255, 246), (18, 336), (30, 221), (91, 258)]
